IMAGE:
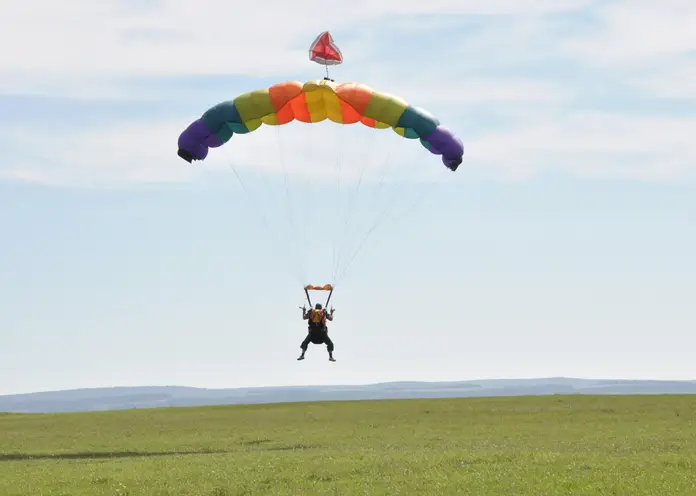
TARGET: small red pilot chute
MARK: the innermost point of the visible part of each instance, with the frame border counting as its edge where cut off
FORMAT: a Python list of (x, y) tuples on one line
[(324, 51)]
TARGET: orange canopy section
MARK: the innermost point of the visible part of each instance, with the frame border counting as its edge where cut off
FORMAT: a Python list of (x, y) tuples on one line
[(325, 287)]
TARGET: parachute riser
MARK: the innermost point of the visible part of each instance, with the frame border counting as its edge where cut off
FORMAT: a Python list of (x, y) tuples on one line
[(309, 300)]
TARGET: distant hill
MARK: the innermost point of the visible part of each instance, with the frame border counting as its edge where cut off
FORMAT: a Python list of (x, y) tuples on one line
[(119, 398)]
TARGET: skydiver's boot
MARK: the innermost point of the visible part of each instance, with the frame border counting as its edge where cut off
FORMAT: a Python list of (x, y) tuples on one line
[(331, 358), (301, 357)]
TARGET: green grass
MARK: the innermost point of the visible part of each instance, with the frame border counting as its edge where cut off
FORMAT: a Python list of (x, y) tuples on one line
[(553, 445)]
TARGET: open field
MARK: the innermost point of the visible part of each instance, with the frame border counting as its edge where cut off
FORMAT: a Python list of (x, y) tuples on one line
[(549, 445)]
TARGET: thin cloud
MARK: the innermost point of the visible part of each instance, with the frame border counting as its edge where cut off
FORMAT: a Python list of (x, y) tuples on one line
[(593, 144), (635, 32), (678, 81)]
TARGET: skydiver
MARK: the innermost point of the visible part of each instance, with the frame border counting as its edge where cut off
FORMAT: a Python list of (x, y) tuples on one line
[(317, 331)]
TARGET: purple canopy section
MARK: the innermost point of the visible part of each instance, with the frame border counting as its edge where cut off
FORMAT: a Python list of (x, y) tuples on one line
[(195, 141), (443, 142)]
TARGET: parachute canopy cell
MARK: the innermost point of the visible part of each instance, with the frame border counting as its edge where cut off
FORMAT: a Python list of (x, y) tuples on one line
[(312, 102), (324, 50)]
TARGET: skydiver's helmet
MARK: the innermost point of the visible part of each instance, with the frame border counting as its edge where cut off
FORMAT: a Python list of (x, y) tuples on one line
[(318, 306)]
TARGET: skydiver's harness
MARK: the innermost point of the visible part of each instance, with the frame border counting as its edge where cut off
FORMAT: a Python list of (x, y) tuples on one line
[(317, 318)]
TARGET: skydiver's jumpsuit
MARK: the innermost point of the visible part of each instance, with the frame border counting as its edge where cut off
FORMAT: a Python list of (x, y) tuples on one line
[(317, 333)]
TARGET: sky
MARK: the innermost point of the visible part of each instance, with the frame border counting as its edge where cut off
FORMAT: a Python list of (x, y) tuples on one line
[(562, 246)]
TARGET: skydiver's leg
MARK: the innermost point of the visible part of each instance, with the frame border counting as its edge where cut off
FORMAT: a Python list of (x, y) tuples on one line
[(329, 347), (304, 346)]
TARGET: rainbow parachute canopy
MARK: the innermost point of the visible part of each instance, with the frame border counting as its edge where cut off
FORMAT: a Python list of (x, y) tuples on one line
[(315, 101)]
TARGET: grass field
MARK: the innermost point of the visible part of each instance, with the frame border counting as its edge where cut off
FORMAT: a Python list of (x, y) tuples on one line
[(553, 445)]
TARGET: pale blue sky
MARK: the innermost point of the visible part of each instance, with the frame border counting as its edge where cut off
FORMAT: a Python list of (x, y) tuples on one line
[(563, 245)]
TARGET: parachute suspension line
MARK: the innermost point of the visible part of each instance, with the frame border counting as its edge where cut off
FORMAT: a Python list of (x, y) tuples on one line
[(282, 241), (371, 206), (380, 184), (376, 190), (338, 203), (383, 215), (427, 190), (314, 191), (385, 212), (432, 187), (296, 240), (382, 175), (305, 209), (257, 210), (400, 182), (350, 203), (312, 221)]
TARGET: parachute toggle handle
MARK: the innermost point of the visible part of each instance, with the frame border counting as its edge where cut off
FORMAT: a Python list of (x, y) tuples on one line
[(325, 287)]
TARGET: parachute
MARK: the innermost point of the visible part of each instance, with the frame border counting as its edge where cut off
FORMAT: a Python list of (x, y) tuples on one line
[(312, 102), (325, 51)]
